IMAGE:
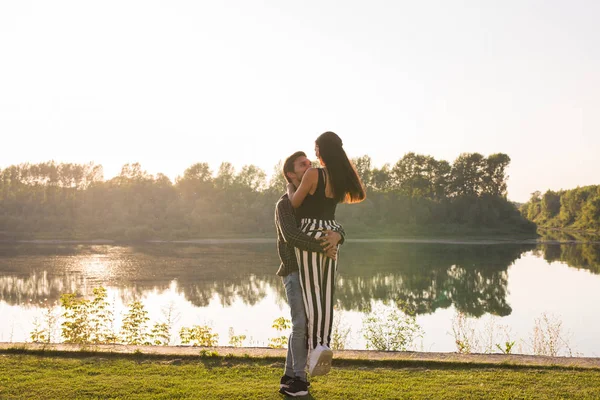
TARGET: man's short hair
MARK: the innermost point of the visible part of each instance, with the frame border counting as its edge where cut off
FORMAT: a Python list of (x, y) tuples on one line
[(288, 165)]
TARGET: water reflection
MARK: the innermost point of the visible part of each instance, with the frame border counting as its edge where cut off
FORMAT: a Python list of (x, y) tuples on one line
[(426, 277), (37, 287), (39, 272), (582, 256), (548, 235)]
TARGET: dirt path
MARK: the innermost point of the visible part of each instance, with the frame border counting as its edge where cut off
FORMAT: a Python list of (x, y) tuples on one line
[(187, 351)]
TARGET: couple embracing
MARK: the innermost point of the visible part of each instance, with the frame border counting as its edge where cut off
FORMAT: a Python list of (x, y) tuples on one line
[(308, 238)]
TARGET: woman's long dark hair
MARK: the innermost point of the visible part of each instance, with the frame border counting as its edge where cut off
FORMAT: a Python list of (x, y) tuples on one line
[(345, 182)]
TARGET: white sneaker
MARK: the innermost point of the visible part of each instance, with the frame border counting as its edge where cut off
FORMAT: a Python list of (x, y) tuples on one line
[(320, 361)]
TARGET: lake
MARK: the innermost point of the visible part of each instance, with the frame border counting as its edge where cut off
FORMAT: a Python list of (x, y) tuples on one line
[(500, 288)]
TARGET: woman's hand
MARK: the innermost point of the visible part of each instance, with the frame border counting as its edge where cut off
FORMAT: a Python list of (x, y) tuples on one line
[(332, 253)]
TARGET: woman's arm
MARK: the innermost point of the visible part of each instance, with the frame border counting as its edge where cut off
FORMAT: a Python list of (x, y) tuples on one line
[(309, 181)]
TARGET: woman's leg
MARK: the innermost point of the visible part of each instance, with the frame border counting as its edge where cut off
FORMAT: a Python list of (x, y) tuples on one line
[(309, 266), (328, 291), (317, 277)]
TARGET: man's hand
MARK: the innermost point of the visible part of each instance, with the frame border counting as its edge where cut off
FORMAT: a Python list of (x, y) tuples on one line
[(332, 253), (330, 240)]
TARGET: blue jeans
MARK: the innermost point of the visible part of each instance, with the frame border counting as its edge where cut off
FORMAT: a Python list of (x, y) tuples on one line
[(295, 361)]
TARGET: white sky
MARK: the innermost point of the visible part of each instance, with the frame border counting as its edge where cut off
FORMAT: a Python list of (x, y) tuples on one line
[(171, 83)]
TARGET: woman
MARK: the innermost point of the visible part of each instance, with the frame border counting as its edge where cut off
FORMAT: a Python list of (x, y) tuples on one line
[(316, 199)]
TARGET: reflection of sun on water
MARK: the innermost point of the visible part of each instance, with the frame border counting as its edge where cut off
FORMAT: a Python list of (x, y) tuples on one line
[(96, 267)]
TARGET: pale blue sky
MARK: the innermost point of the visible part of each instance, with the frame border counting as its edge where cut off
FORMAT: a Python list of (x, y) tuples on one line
[(171, 83)]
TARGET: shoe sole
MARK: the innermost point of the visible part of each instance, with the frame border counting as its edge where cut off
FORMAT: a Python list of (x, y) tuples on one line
[(282, 386), (302, 393), (323, 365)]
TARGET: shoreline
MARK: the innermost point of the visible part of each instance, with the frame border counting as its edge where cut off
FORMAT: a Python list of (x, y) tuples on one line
[(370, 356), (407, 240)]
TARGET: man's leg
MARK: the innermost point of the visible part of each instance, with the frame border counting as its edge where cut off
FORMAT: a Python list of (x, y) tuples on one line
[(297, 345)]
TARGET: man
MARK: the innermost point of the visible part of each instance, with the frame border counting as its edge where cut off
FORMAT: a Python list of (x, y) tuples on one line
[(289, 236)]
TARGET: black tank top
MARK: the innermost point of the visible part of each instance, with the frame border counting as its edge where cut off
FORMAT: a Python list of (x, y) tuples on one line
[(317, 205)]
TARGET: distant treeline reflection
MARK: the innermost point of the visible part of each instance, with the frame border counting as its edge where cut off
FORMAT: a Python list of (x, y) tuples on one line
[(425, 277)]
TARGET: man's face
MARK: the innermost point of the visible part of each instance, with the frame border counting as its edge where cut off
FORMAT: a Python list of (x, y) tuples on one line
[(301, 164)]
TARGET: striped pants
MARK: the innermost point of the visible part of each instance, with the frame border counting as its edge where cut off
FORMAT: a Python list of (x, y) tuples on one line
[(317, 278)]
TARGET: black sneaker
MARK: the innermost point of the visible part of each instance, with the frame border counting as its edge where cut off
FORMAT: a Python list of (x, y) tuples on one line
[(296, 388), (285, 381)]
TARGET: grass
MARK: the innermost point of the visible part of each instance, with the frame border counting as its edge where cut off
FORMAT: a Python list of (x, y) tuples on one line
[(54, 375)]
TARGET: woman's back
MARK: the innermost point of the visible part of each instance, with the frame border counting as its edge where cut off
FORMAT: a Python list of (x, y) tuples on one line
[(318, 205)]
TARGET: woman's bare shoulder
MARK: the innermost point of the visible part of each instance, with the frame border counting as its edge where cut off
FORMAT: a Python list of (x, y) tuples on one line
[(312, 173)]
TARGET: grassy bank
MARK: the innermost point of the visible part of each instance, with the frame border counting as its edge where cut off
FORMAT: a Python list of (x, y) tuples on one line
[(52, 375)]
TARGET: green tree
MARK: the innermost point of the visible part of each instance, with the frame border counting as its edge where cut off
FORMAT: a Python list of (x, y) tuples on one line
[(467, 175), (534, 206), (225, 176), (277, 184), (494, 174), (364, 169), (252, 177), (413, 175), (381, 179), (550, 204)]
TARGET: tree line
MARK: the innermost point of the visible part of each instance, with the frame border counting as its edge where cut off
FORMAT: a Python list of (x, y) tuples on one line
[(417, 195), (574, 209)]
